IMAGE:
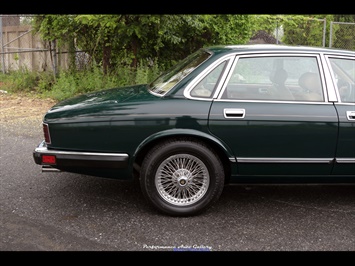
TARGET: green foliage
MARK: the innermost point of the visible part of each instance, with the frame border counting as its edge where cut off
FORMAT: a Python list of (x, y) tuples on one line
[(44, 82), (5, 82), (64, 87), (129, 49), (305, 30), (142, 75), (229, 29), (114, 40), (69, 84), (20, 81)]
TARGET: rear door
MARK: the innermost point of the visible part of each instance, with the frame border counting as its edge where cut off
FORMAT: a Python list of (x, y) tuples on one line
[(343, 74), (273, 124)]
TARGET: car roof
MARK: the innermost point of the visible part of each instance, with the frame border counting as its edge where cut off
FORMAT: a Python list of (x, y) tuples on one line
[(275, 48)]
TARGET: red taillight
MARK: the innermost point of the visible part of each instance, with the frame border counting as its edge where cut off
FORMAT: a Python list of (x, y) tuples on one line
[(47, 137), (49, 159)]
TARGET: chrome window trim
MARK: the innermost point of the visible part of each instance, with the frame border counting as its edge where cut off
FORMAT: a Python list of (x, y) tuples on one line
[(328, 84), (345, 104), (316, 55), (283, 160), (223, 77), (205, 72), (273, 101), (157, 94), (332, 88), (329, 91), (331, 76)]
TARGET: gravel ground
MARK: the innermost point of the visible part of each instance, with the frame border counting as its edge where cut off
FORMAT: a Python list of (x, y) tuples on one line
[(23, 112)]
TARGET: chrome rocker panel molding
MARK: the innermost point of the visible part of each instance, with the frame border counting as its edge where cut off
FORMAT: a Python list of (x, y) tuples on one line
[(345, 160), (285, 160), (295, 160)]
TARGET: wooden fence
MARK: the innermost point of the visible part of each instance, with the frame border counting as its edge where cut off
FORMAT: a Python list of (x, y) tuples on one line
[(22, 50)]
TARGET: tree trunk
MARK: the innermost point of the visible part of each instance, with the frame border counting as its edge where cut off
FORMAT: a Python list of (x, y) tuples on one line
[(106, 58)]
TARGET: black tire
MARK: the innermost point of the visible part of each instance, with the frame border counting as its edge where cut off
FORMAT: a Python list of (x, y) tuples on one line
[(182, 177)]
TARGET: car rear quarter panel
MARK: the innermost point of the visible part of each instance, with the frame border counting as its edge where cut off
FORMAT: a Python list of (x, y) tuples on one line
[(125, 126)]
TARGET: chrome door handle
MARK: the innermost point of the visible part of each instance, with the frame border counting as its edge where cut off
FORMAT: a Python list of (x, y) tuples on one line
[(234, 113), (350, 115)]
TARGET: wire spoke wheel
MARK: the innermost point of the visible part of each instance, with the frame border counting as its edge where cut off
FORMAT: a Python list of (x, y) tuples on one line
[(182, 179)]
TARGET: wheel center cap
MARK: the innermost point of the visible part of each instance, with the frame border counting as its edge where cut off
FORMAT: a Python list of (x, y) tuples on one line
[(182, 177), (182, 180)]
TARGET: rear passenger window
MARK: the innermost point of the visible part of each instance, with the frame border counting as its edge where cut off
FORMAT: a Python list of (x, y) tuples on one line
[(344, 73), (275, 78)]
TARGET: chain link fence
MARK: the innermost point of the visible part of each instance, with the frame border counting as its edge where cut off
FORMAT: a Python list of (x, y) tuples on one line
[(342, 35), (22, 49)]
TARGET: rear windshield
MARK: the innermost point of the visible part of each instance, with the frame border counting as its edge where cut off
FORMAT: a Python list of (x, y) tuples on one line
[(173, 76)]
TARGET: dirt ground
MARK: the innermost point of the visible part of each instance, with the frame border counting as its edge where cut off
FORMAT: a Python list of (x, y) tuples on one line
[(23, 114), (17, 106)]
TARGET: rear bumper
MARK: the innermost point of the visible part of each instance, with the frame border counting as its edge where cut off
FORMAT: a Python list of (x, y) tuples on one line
[(69, 159)]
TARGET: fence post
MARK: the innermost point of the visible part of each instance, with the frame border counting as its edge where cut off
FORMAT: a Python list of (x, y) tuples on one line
[(324, 30), (330, 34), (54, 57), (2, 47)]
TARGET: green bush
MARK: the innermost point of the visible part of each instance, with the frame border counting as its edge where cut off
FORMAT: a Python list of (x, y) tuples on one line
[(71, 83), (20, 81)]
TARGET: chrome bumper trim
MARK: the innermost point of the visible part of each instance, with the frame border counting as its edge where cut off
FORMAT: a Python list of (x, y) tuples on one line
[(75, 155), (65, 159)]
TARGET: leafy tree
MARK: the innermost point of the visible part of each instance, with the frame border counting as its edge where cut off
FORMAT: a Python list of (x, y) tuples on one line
[(57, 29), (112, 40)]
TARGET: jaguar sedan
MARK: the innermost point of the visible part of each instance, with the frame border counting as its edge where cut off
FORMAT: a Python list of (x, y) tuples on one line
[(223, 115)]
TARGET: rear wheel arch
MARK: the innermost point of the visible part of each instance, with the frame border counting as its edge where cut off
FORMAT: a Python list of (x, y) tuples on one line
[(222, 150)]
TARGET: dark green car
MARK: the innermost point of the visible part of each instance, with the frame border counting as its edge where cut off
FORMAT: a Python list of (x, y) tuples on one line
[(223, 115)]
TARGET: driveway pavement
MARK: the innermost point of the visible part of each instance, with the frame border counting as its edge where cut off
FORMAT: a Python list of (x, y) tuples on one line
[(69, 212)]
